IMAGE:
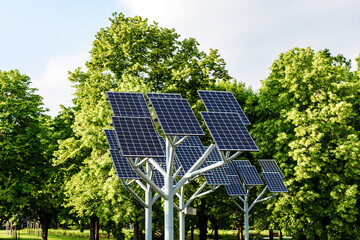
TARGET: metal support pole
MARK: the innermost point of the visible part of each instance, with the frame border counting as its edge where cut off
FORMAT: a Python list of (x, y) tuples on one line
[(168, 190), (182, 214), (246, 215), (148, 210)]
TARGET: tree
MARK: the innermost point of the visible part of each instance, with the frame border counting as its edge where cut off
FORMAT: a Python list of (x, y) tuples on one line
[(309, 108), (129, 55)]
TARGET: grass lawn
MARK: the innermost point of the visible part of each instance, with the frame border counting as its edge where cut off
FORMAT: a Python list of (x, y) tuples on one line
[(61, 234)]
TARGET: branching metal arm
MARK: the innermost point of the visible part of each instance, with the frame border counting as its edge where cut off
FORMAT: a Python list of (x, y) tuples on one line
[(141, 201), (157, 166), (181, 141), (238, 205), (147, 179)]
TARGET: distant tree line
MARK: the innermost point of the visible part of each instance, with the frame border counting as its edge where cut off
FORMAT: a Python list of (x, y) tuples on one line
[(306, 116)]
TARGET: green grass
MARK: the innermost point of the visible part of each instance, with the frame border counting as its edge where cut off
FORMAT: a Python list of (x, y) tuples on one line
[(62, 234)]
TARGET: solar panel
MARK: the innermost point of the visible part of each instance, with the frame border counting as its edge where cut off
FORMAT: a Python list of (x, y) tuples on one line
[(240, 163), (218, 177), (122, 166), (213, 157), (235, 188), (128, 104), (249, 175), (229, 132), (137, 137), (163, 145), (177, 166), (112, 138), (163, 95), (216, 101), (192, 141), (230, 170), (274, 181), (158, 179), (176, 117), (269, 165), (188, 156)]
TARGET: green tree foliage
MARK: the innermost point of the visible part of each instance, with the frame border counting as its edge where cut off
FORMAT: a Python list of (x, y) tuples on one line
[(134, 56), (309, 109)]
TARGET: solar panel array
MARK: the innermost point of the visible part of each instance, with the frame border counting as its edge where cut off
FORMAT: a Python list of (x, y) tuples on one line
[(269, 165), (249, 175), (192, 141), (235, 187), (175, 116), (112, 139), (220, 101), (188, 156), (128, 104), (122, 166), (137, 137), (229, 132), (240, 163), (230, 170), (274, 182), (163, 95), (217, 177)]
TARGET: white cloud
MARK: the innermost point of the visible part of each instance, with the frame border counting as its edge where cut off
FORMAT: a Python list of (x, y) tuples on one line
[(53, 84)]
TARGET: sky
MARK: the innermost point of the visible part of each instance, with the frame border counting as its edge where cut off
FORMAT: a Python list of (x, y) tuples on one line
[(45, 39)]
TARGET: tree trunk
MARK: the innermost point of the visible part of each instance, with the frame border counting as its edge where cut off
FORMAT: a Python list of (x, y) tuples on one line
[(215, 225), (136, 230), (192, 233), (202, 219), (280, 235), (93, 221), (271, 234), (97, 229), (45, 220), (240, 228)]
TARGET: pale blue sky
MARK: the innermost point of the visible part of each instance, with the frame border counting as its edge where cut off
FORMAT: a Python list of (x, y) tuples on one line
[(44, 39)]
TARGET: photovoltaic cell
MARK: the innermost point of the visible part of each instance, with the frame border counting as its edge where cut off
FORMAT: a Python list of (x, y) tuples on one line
[(158, 179), (163, 146), (163, 95), (192, 141), (177, 166), (219, 101), (218, 177), (112, 139), (269, 165), (230, 170), (137, 137), (240, 163), (235, 187), (187, 156), (274, 182), (128, 104), (122, 166), (249, 175), (228, 132), (176, 117)]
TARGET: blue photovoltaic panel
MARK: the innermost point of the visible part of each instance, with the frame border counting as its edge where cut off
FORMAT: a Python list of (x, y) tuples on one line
[(137, 137), (249, 175), (163, 145), (235, 188), (177, 166), (230, 170), (122, 166), (112, 139), (216, 101), (213, 157), (274, 182), (158, 179), (228, 132), (176, 117), (187, 156), (240, 163), (269, 165), (128, 104), (163, 95), (192, 141), (218, 177)]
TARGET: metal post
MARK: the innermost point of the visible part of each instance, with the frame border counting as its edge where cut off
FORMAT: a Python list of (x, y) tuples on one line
[(148, 209), (246, 215), (182, 214), (168, 190)]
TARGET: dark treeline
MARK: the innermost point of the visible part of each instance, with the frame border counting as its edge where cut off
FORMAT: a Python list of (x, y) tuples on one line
[(305, 116)]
